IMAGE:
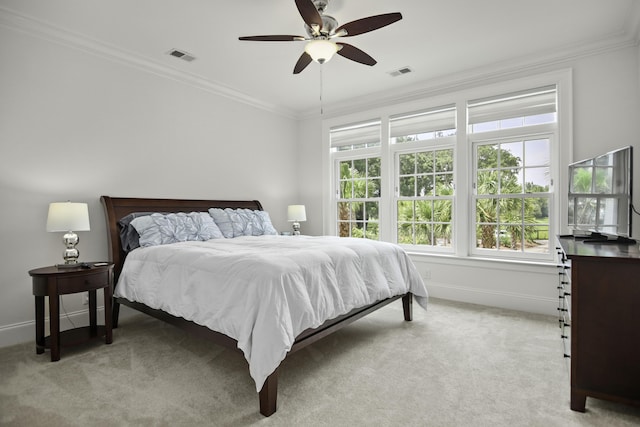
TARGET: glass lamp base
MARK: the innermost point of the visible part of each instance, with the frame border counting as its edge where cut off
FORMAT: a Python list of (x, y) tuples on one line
[(70, 253)]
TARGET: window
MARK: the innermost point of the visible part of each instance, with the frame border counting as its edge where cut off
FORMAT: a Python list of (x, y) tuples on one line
[(512, 170), (425, 199), (358, 201), (425, 125), (424, 185), (466, 174), (512, 195), (356, 153), (519, 109), (355, 137)]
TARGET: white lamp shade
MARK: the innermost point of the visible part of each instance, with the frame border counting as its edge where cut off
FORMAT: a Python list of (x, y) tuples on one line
[(296, 213), (321, 51), (67, 216)]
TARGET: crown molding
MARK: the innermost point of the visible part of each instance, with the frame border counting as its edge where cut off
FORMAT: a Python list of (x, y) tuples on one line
[(633, 23), (464, 79), (37, 28), (511, 69)]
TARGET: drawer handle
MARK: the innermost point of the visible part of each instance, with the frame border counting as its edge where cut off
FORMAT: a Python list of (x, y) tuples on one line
[(562, 309), (566, 356)]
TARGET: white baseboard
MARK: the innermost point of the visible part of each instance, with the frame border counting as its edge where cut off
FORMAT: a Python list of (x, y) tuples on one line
[(19, 333), (512, 301)]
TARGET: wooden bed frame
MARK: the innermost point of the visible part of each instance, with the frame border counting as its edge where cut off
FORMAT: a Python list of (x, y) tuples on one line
[(118, 207)]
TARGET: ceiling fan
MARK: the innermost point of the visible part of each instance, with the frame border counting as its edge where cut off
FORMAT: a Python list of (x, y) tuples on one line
[(321, 29)]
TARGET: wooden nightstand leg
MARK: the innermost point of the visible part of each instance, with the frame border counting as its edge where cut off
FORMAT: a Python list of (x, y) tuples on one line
[(39, 325), (108, 324), (93, 319), (54, 324)]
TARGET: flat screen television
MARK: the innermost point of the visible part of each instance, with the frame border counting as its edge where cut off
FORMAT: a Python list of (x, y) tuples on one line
[(600, 196)]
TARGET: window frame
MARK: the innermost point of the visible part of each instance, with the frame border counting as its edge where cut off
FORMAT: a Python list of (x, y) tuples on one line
[(561, 156), (431, 145), (343, 156), (543, 131)]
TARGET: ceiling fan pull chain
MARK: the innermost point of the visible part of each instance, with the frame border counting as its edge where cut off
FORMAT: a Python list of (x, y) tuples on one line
[(321, 89)]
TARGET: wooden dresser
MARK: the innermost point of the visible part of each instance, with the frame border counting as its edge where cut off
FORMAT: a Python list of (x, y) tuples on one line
[(599, 307)]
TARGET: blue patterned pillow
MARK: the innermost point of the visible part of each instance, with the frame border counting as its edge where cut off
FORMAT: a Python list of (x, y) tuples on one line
[(222, 220), (161, 229), (242, 222), (262, 224)]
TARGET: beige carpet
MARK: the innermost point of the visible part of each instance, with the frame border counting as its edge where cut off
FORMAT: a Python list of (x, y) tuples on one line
[(455, 365)]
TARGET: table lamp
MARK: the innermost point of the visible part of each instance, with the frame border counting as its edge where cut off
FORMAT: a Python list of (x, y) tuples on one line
[(68, 217), (296, 214)]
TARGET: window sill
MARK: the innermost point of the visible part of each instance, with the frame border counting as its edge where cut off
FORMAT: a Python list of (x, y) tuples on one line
[(482, 262)]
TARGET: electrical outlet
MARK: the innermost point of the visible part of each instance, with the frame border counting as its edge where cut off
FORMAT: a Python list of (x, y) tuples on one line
[(427, 274), (85, 298)]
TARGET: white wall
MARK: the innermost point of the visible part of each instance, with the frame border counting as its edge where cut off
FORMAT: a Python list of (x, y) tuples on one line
[(606, 113), (607, 108), (75, 125), (310, 174)]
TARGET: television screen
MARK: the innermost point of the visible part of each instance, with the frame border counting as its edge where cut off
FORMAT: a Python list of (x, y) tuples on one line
[(600, 194)]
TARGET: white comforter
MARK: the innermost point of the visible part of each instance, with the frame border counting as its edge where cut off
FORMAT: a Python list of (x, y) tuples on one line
[(264, 291)]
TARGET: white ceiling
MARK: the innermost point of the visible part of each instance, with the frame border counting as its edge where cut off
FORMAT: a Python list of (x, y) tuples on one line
[(436, 38)]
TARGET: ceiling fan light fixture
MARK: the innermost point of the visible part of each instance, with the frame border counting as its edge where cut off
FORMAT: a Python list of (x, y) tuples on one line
[(321, 50)]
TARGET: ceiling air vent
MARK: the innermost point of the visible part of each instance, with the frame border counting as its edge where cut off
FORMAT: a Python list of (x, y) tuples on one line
[(181, 54), (400, 71)]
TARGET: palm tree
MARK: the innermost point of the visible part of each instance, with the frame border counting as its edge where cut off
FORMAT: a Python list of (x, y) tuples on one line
[(498, 174)]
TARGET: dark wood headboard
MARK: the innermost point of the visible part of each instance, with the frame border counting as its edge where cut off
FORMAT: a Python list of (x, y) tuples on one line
[(117, 207)]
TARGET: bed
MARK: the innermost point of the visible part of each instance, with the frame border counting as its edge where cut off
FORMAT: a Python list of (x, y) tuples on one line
[(273, 260)]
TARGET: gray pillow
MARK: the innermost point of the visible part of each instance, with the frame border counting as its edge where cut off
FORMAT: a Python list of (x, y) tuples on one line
[(129, 238)]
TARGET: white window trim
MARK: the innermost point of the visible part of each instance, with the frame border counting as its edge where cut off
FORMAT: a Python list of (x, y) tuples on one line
[(414, 147), (347, 156), (562, 153), (548, 131)]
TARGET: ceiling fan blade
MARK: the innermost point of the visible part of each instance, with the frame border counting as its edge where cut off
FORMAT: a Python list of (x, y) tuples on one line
[(365, 25), (355, 54), (274, 38), (310, 14), (304, 60)]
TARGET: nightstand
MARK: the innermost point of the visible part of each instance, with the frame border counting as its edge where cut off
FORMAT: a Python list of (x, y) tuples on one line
[(52, 282)]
